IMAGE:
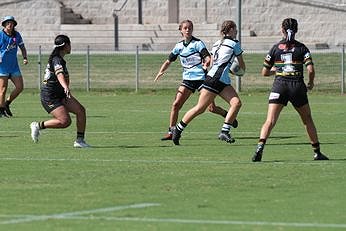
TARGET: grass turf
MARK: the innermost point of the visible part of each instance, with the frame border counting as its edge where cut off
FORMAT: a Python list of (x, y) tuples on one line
[(130, 180)]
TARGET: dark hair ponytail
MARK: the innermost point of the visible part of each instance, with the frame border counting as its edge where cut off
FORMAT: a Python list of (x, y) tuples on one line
[(59, 43), (290, 27)]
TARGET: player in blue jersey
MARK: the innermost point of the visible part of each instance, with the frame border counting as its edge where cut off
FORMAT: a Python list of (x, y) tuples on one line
[(10, 40), (286, 60), (56, 97), (195, 59), (218, 82)]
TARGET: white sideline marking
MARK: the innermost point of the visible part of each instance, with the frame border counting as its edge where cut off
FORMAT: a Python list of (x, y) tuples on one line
[(175, 220), (214, 222), (30, 218), (188, 132), (166, 161)]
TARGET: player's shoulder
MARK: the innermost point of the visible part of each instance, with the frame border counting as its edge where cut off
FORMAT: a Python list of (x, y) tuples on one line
[(58, 59), (195, 39)]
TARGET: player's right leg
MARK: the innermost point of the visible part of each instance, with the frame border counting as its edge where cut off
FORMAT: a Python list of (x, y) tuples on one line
[(183, 93), (3, 89)]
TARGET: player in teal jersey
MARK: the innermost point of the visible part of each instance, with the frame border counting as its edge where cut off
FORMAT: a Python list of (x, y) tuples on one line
[(195, 59), (10, 40), (218, 82)]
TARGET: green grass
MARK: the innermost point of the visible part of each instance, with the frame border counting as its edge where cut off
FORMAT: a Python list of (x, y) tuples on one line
[(203, 184)]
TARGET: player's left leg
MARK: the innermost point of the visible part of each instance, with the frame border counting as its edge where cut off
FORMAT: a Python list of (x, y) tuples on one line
[(305, 114), (232, 98), (18, 88), (74, 106)]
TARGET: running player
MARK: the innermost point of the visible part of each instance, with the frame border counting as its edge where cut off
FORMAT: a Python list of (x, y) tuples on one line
[(218, 82), (286, 61), (10, 40), (56, 97), (195, 59)]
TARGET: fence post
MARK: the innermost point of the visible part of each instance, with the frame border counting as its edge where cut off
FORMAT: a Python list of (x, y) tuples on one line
[(343, 69), (137, 69), (39, 67), (116, 31), (238, 78), (88, 69)]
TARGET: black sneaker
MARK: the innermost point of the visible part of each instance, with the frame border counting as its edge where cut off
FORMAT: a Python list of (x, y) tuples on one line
[(7, 110), (226, 137), (320, 156), (258, 154), (235, 123), (3, 113), (176, 134)]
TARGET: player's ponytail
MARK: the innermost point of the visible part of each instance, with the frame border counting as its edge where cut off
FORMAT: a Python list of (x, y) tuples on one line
[(290, 28), (59, 43)]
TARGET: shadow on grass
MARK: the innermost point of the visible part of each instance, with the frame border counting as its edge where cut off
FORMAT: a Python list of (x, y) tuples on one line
[(8, 136), (297, 161), (132, 146)]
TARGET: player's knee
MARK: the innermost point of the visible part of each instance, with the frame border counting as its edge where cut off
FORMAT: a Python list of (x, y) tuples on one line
[(81, 110), (236, 103), (176, 106), (19, 88), (212, 108), (65, 122)]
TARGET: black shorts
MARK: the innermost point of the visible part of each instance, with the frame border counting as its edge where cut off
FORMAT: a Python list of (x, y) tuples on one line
[(51, 101), (192, 85), (288, 89), (214, 85)]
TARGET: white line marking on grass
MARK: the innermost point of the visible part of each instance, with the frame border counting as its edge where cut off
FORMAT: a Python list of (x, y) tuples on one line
[(191, 132), (205, 222), (168, 161), (30, 218)]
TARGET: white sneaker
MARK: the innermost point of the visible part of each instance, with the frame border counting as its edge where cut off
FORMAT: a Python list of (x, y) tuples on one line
[(80, 144), (35, 131)]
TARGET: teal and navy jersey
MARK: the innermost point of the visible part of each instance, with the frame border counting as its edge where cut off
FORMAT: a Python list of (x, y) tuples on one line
[(224, 51), (289, 60), (191, 56), (8, 51)]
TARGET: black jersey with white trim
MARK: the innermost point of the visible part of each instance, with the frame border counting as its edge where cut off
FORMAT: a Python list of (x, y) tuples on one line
[(51, 83), (288, 59)]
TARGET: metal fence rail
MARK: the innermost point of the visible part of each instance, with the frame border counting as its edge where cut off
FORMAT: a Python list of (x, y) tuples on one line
[(137, 70)]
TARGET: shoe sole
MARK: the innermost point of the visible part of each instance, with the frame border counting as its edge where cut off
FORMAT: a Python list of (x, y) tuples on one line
[(166, 138), (227, 140)]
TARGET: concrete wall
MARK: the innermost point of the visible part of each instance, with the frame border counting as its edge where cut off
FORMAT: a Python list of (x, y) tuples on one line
[(319, 22)]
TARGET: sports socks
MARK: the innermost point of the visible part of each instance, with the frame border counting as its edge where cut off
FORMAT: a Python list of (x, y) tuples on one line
[(262, 141), (7, 102), (226, 127), (41, 125), (316, 147), (181, 125), (80, 135)]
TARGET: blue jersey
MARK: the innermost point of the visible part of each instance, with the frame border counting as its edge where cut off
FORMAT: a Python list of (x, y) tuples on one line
[(191, 56), (8, 52), (224, 51)]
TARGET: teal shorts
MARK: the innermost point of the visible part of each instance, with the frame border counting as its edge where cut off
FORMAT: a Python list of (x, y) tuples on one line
[(11, 75)]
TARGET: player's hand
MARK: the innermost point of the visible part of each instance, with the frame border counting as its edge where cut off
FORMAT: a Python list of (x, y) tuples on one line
[(67, 92), (310, 85), (158, 76), (25, 61)]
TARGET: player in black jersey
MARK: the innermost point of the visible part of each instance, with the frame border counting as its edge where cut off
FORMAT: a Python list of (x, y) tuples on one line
[(286, 61), (56, 97)]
